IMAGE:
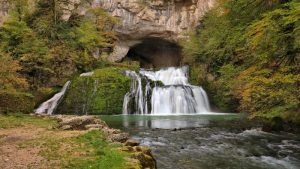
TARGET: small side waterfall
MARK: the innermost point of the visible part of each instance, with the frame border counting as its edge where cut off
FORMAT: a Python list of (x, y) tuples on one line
[(174, 96), (50, 105)]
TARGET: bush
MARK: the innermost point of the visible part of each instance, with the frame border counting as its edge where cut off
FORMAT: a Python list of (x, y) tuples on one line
[(16, 102)]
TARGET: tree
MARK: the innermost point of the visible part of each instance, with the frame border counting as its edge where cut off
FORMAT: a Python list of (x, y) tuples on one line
[(10, 79)]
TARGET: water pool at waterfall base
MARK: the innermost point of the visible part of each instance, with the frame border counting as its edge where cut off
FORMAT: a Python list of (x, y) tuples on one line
[(215, 141)]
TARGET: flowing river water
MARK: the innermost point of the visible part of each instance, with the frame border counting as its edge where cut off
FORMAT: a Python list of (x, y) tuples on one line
[(163, 111), (211, 141), (183, 133)]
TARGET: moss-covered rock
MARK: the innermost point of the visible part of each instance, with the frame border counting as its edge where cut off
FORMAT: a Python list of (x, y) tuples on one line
[(101, 93)]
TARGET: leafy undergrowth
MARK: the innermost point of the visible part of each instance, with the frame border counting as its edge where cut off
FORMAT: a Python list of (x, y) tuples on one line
[(21, 120)]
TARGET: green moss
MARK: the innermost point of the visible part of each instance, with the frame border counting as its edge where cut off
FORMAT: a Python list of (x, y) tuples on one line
[(101, 93)]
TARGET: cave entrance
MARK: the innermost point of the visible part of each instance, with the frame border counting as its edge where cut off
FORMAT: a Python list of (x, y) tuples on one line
[(155, 53)]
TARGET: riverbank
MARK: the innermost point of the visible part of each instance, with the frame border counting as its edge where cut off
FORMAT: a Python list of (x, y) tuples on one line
[(211, 141), (28, 141)]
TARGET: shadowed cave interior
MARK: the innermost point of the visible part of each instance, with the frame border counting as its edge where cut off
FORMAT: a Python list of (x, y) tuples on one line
[(155, 53)]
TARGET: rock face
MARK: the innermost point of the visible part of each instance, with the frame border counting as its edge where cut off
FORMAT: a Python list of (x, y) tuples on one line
[(4, 7), (142, 19)]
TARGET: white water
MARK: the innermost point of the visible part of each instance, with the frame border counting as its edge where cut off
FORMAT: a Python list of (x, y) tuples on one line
[(50, 105), (86, 74), (176, 96)]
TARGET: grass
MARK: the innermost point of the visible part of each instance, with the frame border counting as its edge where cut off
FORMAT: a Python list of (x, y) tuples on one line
[(20, 120), (89, 150), (66, 149), (100, 154)]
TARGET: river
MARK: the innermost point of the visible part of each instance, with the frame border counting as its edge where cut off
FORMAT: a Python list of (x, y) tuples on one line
[(210, 141)]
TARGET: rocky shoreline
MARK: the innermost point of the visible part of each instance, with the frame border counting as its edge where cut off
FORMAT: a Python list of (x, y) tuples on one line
[(141, 156)]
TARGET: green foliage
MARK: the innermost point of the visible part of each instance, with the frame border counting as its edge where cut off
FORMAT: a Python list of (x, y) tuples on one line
[(273, 38), (101, 93), (46, 49), (10, 80), (13, 87), (18, 39), (16, 102), (251, 48), (269, 93)]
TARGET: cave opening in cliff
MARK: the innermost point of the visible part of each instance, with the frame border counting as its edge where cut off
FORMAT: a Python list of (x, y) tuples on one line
[(155, 53)]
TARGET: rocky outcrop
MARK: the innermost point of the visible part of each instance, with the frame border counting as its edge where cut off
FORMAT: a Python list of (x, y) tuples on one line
[(155, 18), (140, 19), (4, 7), (79, 122)]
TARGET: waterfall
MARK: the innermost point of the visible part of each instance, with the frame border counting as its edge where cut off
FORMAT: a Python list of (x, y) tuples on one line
[(50, 105), (170, 94)]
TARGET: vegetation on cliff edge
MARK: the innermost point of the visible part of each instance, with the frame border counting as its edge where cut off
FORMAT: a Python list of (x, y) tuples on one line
[(248, 52)]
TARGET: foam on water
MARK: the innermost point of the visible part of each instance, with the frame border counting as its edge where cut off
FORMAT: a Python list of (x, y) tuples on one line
[(175, 97)]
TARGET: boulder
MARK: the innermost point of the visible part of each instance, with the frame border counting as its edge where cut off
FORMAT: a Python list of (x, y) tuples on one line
[(132, 142), (146, 161), (79, 122), (121, 137)]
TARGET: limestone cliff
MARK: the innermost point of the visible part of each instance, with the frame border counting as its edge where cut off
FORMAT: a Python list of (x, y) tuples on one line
[(140, 19)]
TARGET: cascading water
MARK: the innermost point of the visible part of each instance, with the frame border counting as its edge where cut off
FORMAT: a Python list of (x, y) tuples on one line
[(50, 105), (175, 96)]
